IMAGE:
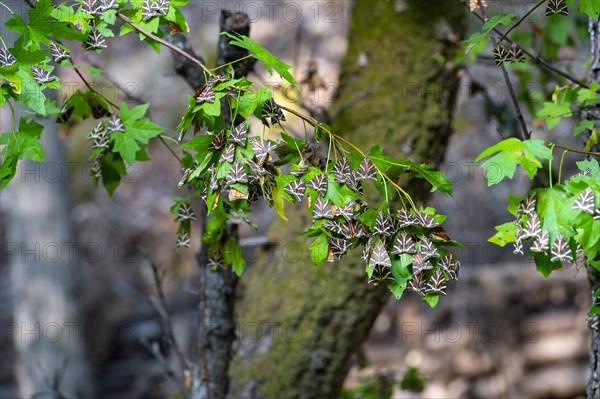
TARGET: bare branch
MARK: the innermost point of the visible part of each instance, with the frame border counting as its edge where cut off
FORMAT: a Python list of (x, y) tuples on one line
[(521, 20), (163, 42), (536, 59), (155, 351), (524, 132), (161, 305)]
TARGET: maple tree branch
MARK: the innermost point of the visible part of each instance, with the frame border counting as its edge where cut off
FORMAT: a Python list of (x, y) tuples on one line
[(592, 153), (116, 107), (521, 20), (511, 91), (536, 59), (164, 43)]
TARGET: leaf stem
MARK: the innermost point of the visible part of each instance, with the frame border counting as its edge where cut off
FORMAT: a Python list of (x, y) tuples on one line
[(552, 145), (89, 86), (12, 116), (169, 138), (232, 62), (316, 124), (162, 140), (9, 10), (164, 43), (562, 158)]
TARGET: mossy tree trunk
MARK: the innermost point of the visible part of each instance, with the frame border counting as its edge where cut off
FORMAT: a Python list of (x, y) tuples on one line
[(300, 323)]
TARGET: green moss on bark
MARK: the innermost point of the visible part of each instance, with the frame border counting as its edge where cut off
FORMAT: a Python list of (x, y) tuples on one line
[(402, 98)]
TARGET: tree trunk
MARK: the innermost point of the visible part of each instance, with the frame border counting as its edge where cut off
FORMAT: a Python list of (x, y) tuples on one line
[(593, 389), (44, 263), (218, 287), (299, 324)]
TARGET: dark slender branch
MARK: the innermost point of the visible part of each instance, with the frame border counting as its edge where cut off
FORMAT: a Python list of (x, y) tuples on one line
[(524, 132), (589, 153), (89, 86), (155, 351), (163, 42), (162, 140), (30, 4), (536, 59), (161, 307), (521, 20)]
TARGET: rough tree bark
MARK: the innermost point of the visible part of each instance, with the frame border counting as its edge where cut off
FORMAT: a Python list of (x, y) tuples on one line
[(593, 389), (301, 323), (52, 359)]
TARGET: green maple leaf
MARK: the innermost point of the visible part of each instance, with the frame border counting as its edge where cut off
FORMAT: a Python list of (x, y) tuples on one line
[(138, 130), (505, 233), (22, 144), (555, 211), (39, 26), (401, 274), (590, 7), (500, 19), (588, 232), (554, 112), (125, 144), (588, 96), (394, 167), (319, 249), (263, 55), (112, 168), (233, 255), (509, 154)]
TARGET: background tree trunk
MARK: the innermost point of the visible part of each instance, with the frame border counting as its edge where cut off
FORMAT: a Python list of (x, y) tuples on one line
[(593, 391), (299, 324), (52, 359), (44, 262)]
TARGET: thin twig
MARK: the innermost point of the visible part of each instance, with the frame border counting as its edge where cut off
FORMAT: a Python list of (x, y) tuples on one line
[(161, 359), (164, 43), (116, 107), (335, 137), (521, 20), (525, 133), (536, 59), (30, 4), (161, 308), (162, 140), (513, 96), (592, 153), (89, 86)]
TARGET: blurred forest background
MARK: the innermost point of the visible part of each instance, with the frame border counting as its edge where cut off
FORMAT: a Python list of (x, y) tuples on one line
[(502, 331)]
